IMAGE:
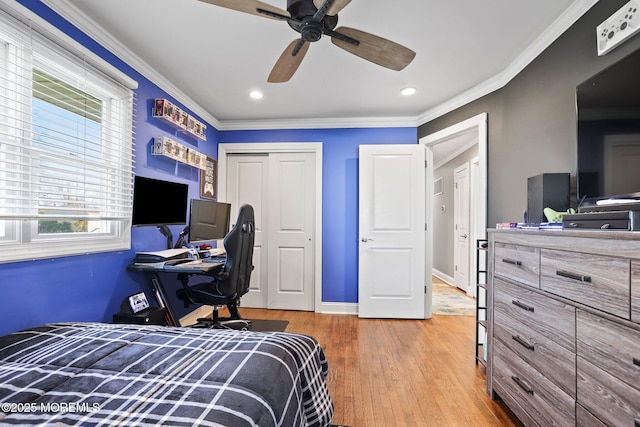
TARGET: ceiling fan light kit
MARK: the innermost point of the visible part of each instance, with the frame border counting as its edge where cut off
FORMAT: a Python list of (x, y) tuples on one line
[(313, 19), (408, 91)]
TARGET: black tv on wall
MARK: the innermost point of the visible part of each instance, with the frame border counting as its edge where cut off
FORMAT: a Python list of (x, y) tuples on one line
[(608, 130), (157, 202)]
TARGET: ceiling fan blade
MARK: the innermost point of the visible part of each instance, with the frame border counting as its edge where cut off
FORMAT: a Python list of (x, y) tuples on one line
[(289, 61), (335, 8), (375, 49), (249, 6)]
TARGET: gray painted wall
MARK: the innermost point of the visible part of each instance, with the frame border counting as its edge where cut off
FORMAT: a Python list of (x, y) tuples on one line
[(532, 120)]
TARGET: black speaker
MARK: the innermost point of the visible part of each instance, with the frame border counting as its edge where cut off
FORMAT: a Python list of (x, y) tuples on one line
[(547, 190)]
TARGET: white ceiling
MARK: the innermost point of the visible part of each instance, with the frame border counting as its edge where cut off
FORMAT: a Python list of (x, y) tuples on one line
[(213, 57)]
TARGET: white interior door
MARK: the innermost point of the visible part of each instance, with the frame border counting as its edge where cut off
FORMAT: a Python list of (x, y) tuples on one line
[(391, 270), (461, 227), (291, 237), (247, 182)]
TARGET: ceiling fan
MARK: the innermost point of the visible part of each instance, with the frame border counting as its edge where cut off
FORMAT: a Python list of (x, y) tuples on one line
[(312, 19)]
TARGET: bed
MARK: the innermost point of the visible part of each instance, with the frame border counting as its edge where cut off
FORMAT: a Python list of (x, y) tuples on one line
[(106, 374)]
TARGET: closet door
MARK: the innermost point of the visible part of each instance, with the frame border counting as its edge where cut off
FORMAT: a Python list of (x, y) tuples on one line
[(291, 231), (247, 182), (281, 189)]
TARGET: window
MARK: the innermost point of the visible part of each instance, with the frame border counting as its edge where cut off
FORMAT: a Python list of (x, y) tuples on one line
[(65, 151)]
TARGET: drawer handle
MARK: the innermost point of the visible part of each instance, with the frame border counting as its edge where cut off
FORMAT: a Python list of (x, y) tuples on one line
[(568, 275), (522, 384), (522, 342), (512, 262), (522, 305)]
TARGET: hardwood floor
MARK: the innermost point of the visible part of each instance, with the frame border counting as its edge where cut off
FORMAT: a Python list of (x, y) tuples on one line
[(393, 373)]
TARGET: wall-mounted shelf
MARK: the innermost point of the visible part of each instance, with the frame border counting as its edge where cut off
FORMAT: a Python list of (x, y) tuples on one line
[(163, 146), (170, 113)]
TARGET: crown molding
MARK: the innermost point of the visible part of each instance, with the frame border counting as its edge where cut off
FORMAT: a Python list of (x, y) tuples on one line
[(24, 15), (551, 34), (93, 30), (324, 123), (101, 36)]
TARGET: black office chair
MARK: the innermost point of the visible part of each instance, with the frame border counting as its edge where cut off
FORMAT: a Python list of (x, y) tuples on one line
[(232, 281)]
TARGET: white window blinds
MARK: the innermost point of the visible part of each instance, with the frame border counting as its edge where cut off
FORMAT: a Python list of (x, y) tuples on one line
[(65, 150)]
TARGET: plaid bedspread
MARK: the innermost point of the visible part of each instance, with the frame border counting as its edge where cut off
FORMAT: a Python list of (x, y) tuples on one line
[(103, 374)]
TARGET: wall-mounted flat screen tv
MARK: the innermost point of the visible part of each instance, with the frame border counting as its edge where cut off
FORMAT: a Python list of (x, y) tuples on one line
[(608, 132), (157, 202)]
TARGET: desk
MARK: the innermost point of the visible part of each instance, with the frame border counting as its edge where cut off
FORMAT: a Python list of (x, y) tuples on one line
[(152, 272)]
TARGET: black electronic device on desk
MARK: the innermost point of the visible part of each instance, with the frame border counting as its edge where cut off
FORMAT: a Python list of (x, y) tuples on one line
[(135, 309), (604, 220), (168, 255)]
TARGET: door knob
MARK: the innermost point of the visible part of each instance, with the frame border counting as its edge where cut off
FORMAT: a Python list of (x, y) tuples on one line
[(464, 236), (365, 240)]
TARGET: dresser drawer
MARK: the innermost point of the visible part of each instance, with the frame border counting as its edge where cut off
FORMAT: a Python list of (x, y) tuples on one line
[(521, 386), (611, 346), (606, 397), (585, 419), (635, 291), (551, 318), (601, 282), (518, 263), (546, 356)]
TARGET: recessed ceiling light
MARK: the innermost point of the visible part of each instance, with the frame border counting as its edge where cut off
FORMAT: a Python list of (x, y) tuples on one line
[(256, 94), (408, 91)]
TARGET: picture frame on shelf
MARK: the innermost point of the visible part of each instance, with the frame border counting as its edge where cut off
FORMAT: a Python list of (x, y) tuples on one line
[(209, 179), (164, 146), (172, 114)]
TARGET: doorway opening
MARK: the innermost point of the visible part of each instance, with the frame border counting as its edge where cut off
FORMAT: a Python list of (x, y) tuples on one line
[(466, 141)]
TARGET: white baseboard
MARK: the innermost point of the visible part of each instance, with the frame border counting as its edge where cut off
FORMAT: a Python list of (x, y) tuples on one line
[(326, 308), (444, 277), (339, 308)]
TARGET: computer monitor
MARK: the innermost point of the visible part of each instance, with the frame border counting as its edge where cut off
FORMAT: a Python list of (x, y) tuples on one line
[(208, 220), (159, 203)]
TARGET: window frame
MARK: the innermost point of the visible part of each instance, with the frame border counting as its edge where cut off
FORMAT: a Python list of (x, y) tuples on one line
[(19, 235)]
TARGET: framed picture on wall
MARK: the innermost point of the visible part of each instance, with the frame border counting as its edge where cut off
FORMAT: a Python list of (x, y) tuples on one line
[(209, 179)]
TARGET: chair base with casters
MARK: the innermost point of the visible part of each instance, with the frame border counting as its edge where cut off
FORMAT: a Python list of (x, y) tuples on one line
[(234, 321)]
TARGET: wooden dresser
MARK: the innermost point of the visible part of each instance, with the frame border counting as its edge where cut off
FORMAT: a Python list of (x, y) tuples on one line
[(564, 326)]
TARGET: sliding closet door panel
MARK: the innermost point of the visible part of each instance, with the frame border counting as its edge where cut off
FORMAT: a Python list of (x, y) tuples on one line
[(247, 182), (291, 216), (291, 266)]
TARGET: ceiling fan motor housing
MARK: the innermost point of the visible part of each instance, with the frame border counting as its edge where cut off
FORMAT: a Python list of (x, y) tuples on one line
[(310, 29)]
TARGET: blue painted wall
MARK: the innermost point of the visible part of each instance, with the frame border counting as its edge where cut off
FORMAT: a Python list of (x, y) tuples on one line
[(339, 195), (91, 287)]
